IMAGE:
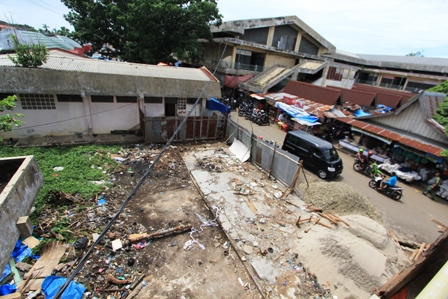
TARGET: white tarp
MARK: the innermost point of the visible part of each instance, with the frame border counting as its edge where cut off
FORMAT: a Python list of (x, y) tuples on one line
[(240, 150)]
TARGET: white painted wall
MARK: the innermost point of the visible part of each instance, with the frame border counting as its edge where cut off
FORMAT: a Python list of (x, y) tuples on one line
[(107, 117), (154, 110), (66, 119)]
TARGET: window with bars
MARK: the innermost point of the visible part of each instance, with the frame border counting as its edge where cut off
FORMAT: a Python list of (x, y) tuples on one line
[(153, 100), (37, 101), (102, 99), (69, 98), (182, 104), (126, 99)]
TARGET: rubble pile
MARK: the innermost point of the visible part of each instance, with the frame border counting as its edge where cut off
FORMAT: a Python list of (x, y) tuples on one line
[(339, 198)]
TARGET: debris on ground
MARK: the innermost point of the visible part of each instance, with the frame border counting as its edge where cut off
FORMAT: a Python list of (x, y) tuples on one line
[(166, 243)]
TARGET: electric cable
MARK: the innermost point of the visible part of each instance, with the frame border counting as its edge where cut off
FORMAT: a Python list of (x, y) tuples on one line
[(137, 186)]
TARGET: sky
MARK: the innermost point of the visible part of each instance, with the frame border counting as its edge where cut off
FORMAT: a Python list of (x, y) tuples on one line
[(381, 27)]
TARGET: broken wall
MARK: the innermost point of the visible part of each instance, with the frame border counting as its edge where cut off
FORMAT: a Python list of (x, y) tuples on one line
[(16, 199)]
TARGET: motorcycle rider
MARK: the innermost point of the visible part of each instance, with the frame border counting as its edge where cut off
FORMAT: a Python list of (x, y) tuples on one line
[(367, 166), (360, 156), (389, 183)]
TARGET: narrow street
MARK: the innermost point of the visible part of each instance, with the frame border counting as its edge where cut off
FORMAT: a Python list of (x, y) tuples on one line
[(409, 218)]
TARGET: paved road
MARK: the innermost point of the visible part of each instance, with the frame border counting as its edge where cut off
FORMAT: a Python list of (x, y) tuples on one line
[(408, 218)]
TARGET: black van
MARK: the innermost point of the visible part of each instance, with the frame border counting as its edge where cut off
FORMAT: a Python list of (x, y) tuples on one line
[(317, 154)]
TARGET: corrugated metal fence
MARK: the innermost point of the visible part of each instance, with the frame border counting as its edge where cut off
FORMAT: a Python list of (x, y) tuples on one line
[(269, 156)]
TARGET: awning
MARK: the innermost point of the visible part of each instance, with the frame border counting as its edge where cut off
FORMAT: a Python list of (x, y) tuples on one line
[(372, 135), (390, 135), (256, 96), (213, 104), (295, 112), (234, 81)]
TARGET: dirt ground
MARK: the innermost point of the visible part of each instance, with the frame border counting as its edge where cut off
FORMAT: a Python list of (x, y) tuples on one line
[(256, 251)]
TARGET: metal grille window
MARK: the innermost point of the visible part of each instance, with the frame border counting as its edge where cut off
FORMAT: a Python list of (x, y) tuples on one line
[(191, 101), (70, 98), (37, 101), (126, 99), (182, 104), (335, 73), (153, 100), (102, 99)]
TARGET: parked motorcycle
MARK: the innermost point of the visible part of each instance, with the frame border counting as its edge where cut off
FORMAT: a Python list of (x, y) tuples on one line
[(392, 192), (366, 169), (244, 108), (262, 118)]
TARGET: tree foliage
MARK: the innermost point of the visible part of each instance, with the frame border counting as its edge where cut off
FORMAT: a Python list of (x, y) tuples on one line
[(28, 55), (441, 115), (8, 121), (416, 54), (146, 31)]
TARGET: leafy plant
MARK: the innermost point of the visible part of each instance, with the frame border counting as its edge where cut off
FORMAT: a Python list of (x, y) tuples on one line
[(8, 121), (80, 169), (28, 55), (441, 115)]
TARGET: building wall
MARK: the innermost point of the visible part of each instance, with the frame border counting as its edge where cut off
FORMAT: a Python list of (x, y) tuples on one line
[(281, 60), (413, 121), (124, 116), (16, 200)]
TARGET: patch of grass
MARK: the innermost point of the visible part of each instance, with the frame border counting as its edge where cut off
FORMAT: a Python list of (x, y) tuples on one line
[(80, 169)]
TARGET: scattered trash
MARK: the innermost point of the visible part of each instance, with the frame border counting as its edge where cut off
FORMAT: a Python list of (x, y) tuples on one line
[(188, 245), (262, 220), (173, 244), (131, 261), (140, 245), (116, 244), (81, 243), (58, 168)]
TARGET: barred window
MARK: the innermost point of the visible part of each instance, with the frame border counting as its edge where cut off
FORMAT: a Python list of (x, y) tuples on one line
[(182, 104), (69, 98), (192, 101), (37, 101), (102, 99), (153, 100), (335, 73), (126, 99)]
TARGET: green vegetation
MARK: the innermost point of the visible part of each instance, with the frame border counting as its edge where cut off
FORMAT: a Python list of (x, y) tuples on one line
[(441, 115), (144, 31), (28, 55), (7, 121), (80, 169)]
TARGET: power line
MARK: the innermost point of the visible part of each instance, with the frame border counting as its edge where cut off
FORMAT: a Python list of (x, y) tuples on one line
[(43, 7), (140, 182)]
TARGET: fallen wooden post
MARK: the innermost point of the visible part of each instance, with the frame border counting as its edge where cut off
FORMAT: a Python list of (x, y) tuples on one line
[(298, 222), (287, 201), (325, 225), (329, 218), (159, 234)]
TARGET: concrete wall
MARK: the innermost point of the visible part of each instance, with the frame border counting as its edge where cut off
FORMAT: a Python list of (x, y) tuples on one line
[(281, 60), (47, 81), (16, 200)]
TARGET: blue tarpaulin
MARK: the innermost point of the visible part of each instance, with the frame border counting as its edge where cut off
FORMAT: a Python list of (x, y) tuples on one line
[(214, 104), (52, 284), (296, 112), (360, 112)]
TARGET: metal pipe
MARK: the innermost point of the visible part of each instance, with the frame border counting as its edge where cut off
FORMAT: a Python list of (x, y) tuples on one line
[(438, 286)]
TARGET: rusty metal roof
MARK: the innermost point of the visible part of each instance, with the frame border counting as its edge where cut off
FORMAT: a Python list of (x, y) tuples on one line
[(359, 97), (408, 141), (387, 97), (313, 92)]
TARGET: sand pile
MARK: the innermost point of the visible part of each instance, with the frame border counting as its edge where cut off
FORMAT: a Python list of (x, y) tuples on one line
[(339, 198)]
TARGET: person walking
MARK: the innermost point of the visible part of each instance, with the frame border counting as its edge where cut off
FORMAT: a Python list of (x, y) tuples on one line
[(434, 183)]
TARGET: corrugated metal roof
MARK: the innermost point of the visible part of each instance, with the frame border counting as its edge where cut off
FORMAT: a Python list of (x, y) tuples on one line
[(30, 37), (56, 61), (405, 59), (359, 97), (314, 93), (408, 141), (387, 97)]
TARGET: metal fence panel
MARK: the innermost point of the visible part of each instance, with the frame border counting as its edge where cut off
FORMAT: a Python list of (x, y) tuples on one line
[(282, 165)]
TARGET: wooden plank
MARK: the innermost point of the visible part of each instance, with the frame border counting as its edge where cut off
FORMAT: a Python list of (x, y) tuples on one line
[(31, 242), (15, 295), (444, 227), (51, 255)]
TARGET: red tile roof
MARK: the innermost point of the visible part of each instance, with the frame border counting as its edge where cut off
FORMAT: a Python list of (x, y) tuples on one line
[(388, 97)]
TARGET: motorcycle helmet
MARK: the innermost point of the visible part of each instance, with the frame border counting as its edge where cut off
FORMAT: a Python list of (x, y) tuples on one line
[(370, 153), (361, 150)]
